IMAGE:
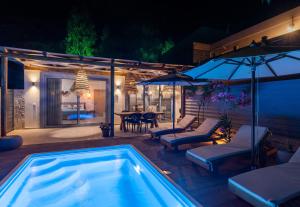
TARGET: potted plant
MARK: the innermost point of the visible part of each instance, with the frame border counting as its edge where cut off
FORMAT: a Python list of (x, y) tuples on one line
[(226, 126), (105, 127), (227, 101)]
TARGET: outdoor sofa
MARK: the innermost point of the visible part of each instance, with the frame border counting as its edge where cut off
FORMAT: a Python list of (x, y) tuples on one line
[(210, 156), (201, 134), (269, 186), (182, 125)]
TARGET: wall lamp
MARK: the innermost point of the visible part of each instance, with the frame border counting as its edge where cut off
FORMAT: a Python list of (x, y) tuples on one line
[(33, 83)]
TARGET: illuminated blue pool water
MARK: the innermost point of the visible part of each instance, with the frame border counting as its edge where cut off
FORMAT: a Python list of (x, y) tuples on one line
[(108, 176)]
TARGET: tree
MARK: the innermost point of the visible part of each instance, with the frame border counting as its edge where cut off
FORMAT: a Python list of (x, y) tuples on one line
[(133, 42), (154, 51), (167, 46), (152, 45), (81, 36)]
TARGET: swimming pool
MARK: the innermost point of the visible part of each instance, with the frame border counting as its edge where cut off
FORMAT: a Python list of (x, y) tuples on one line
[(107, 176)]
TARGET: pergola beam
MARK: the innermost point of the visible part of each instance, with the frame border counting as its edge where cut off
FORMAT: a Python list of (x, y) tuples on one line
[(76, 59)]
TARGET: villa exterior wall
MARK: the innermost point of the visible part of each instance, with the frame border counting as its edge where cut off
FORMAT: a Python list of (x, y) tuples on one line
[(32, 98), (119, 97), (273, 27), (28, 101)]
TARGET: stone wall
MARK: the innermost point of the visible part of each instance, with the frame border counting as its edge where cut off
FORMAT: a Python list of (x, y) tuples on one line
[(19, 109)]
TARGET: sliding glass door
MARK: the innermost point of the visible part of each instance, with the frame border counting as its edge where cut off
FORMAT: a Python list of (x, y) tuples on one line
[(53, 100), (65, 108)]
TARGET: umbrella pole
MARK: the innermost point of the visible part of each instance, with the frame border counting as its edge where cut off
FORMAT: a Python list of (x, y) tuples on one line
[(173, 114), (253, 111), (159, 98)]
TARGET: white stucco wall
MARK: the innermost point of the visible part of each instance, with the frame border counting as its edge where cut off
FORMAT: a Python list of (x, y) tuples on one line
[(32, 98), (119, 97)]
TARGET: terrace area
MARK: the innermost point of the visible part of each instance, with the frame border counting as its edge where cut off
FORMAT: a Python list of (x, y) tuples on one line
[(241, 119), (204, 187)]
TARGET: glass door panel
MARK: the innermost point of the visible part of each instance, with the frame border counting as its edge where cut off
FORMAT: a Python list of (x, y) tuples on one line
[(64, 107)]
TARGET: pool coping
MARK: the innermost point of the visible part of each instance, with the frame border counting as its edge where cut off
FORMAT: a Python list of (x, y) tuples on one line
[(180, 189)]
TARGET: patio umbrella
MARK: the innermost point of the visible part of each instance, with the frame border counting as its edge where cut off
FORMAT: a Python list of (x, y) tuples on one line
[(173, 79), (257, 60)]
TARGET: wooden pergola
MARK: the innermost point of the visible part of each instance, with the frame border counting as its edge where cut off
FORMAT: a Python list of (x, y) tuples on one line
[(58, 61)]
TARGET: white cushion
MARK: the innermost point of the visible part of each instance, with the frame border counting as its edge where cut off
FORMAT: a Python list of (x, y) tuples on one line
[(243, 136), (214, 152), (207, 126), (177, 136), (296, 157), (186, 121), (268, 186)]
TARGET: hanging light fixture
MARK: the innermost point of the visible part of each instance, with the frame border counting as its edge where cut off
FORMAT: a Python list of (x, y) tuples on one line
[(130, 84), (81, 84), (80, 87)]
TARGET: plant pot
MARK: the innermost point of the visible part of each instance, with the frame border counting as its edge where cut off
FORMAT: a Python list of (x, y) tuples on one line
[(105, 132)]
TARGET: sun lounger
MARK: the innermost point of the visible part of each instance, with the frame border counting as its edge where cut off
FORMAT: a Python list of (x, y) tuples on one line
[(202, 134), (269, 186), (209, 156), (183, 124)]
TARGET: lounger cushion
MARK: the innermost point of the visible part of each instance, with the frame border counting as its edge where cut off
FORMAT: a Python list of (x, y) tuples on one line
[(243, 136), (181, 126), (202, 133), (208, 126), (296, 157), (182, 137), (186, 121), (268, 186), (163, 131), (240, 144), (214, 152)]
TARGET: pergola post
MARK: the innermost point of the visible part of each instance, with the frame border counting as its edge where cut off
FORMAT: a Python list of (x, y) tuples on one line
[(4, 69), (144, 98), (112, 98), (173, 107), (253, 117), (159, 98)]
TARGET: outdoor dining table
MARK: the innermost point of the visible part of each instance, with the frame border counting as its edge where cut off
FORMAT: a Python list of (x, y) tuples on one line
[(123, 115)]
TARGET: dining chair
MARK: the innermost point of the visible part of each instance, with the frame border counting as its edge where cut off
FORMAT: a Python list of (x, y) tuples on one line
[(135, 121), (148, 118)]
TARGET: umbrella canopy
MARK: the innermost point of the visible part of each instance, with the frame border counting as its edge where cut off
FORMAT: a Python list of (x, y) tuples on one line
[(173, 79), (257, 60), (268, 61)]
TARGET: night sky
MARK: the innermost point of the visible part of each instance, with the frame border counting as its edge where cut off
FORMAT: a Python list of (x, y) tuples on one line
[(46, 20)]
